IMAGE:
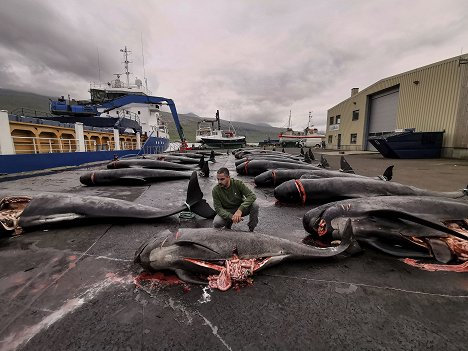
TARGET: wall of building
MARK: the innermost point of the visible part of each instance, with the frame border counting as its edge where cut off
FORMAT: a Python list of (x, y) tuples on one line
[(431, 98)]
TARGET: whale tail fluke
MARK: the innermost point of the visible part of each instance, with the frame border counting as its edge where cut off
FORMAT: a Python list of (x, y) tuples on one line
[(205, 171), (345, 167), (202, 162), (195, 201)]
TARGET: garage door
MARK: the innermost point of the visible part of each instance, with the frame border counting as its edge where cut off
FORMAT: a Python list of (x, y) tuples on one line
[(383, 112)]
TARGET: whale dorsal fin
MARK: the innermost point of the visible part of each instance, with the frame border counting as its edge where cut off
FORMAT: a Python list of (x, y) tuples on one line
[(345, 167)]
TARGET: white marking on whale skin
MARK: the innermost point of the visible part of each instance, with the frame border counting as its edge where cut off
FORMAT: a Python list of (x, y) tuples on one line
[(349, 290), (206, 297), (59, 218)]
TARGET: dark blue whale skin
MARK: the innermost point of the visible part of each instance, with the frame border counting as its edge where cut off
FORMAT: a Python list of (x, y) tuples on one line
[(168, 251), (278, 176), (147, 163), (330, 189), (177, 159), (390, 224), (132, 176), (47, 209), (272, 157), (255, 167)]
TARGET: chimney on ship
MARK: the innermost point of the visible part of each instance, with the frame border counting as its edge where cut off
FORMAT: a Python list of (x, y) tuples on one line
[(354, 91)]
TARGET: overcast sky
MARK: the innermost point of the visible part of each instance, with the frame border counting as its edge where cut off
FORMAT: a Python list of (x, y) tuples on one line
[(252, 60)]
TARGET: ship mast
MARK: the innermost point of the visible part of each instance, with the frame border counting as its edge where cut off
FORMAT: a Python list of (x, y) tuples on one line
[(289, 122), (127, 73)]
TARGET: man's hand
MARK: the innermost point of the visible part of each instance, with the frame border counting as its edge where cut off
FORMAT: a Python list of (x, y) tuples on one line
[(237, 217)]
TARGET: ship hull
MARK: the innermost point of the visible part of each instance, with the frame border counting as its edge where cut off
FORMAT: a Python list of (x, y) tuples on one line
[(224, 142), (34, 162)]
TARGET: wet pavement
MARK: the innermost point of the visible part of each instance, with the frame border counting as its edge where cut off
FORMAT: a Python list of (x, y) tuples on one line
[(74, 288)]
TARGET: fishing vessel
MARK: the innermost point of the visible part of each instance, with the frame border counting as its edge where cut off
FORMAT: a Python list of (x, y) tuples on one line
[(119, 119), (310, 137), (210, 136)]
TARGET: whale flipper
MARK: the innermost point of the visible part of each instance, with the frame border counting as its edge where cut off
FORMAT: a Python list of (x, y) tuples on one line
[(395, 250), (189, 278), (132, 181)]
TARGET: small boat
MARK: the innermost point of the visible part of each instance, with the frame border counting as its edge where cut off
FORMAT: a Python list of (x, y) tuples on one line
[(310, 137), (218, 138)]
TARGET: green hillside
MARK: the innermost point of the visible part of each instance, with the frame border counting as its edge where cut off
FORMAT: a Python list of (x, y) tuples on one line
[(11, 100)]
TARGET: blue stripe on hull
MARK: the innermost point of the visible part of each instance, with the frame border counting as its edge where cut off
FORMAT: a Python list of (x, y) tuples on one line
[(154, 145), (33, 162)]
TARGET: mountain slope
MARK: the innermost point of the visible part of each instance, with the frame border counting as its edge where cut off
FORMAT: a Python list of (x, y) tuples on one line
[(11, 100)]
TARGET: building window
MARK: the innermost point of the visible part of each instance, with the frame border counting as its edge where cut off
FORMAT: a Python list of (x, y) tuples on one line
[(338, 119), (331, 120), (353, 138), (355, 115), (330, 139)]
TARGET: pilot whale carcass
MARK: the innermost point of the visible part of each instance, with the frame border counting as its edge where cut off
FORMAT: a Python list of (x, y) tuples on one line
[(403, 226), (225, 257), (329, 189), (255, 167), (132, 176), (278, 176), (154, 164), (20, 212), (137, 176)]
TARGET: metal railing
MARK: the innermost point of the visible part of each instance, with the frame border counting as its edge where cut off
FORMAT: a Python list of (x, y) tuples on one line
[(36, 145), (346, 147)]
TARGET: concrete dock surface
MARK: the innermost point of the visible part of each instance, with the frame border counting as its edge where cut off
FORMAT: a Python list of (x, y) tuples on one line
[(74, 288)]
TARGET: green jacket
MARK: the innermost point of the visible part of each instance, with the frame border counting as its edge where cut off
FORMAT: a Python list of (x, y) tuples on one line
[(238, 196)]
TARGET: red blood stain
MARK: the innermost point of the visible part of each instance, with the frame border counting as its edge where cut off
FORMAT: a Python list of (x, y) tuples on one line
[(158, 280), (72, 258)]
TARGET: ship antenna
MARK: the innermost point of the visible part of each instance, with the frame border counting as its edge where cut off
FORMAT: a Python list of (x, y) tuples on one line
[(143, 57), (310, 118), (289, 123), (99, 65), (126, 53)]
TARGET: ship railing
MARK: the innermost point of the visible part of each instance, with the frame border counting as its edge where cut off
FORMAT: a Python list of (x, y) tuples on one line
[(129, 115), (25, 111), (119, 84), (38, 145)]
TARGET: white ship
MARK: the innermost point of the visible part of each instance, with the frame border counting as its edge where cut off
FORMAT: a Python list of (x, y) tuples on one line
[(308, 138), (210, 136)]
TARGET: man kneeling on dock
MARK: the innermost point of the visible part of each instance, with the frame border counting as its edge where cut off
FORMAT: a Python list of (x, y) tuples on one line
[(233, 200)]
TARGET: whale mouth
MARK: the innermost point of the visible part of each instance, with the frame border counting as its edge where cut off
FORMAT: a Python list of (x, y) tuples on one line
[(233, 271), (11, 209)]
